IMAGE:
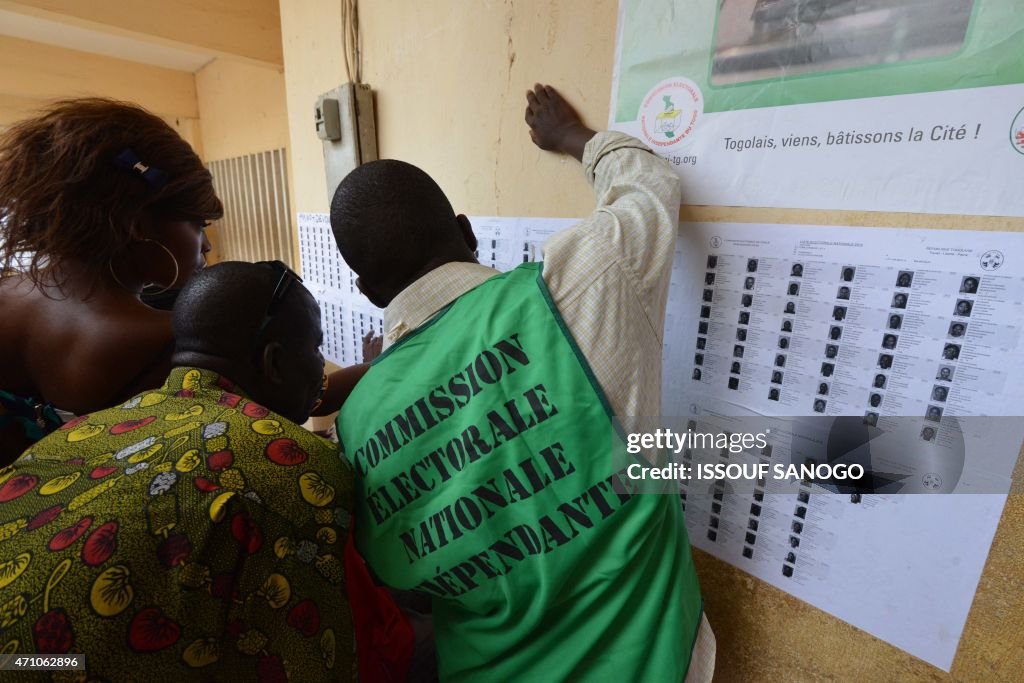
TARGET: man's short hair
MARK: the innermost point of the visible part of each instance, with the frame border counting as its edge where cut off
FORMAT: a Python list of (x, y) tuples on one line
[(390, 219), (222, 307)]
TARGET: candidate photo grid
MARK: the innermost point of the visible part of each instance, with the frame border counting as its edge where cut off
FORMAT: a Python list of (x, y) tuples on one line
[(707, 297), (956, 332), (753, 270)]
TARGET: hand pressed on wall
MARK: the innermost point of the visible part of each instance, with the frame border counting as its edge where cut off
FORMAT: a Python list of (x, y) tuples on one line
[(554, 124)]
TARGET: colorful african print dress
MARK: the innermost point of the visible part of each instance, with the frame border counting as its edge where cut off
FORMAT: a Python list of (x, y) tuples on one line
[(188, 534)]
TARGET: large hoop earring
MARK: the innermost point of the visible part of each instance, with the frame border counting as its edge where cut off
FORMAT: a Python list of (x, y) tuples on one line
[(110, 267), (177, 270)]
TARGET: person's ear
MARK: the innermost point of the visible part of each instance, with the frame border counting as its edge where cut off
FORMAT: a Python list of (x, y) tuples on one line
[(467, 231), (272, 371), (367, 291)]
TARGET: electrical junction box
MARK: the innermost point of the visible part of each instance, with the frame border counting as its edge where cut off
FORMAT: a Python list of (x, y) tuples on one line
[(344, 120), (328, 119)]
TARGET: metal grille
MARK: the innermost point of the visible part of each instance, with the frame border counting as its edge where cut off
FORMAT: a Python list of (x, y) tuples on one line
[(256, 224)]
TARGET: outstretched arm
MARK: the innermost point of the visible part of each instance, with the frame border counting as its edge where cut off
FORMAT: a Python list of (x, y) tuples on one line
[(633, 226), (340, 383)]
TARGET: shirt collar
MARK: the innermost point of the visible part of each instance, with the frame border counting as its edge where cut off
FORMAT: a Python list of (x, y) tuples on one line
[(418, 302), (197, 380)]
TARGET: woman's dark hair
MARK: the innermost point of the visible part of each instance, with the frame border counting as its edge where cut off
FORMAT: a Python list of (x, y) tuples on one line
[(78, 181)]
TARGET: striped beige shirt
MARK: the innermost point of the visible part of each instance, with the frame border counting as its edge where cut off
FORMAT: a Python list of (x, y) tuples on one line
[(608, 275)]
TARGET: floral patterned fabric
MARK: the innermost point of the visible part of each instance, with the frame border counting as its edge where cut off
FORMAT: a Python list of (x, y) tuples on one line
[(188, 534)]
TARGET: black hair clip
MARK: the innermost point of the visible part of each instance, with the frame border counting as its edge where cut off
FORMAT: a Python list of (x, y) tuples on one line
[(130, 161)]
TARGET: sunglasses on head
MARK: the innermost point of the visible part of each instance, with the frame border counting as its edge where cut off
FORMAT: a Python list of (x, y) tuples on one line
[(284, 281)]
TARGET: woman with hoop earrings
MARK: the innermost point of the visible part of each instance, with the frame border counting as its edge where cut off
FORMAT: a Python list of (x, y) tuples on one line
[(99, 202)]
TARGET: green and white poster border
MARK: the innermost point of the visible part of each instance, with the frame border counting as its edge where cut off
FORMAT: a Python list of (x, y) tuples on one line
[(925, 127)]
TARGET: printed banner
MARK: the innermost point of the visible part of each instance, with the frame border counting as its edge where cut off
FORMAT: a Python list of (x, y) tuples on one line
[(878, 105)]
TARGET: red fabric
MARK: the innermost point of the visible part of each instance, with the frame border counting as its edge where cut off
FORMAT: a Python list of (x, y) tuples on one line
[(384, 636)]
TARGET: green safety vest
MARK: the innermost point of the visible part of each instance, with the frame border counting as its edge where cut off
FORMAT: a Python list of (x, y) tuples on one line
[(489, 476)]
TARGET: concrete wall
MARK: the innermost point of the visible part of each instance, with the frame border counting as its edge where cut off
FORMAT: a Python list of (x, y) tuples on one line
[(314, 63), (32, 74), (243, 28), (242, 108)]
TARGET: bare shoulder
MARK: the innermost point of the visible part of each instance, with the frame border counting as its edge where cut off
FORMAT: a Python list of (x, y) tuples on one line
[(130, 352), (18, 319), (98, 355)]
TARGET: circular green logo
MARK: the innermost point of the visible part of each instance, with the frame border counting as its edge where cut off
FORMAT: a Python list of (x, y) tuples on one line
[(1017, 132)]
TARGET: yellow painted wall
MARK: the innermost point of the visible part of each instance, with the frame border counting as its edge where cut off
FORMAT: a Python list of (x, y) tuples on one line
[(245, 28), (32, 74), (313, 63), (242, 107), (451, 80), (449, 77)]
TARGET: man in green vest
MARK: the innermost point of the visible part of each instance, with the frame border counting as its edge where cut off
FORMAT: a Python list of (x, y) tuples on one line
[(488, 473)]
